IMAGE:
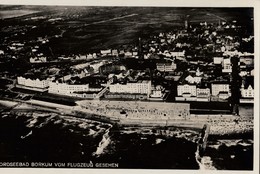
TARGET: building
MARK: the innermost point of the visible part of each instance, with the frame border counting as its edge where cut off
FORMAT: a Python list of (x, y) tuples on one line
[(157, 92), (247, 87), (192, 80), (186, 89), (115, 52), (106, 52), (67, 89), (226, 66), (128, 54), (217, 87), (177, 54), (33, 84), (166, 67), (247, 60), (203, 94), (139, 87), (218, 60)]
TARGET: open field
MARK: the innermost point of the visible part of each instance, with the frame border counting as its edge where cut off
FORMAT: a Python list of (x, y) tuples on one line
[(88, 29), (15, 13)]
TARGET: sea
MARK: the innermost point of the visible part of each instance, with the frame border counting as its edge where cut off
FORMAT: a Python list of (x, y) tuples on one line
[(45, 137)]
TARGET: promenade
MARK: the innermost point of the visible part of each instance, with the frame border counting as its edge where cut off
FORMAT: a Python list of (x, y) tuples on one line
[(219, 124)]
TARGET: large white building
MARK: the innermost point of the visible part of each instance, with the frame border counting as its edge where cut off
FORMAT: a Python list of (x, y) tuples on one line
[(139, 87), (67, 89), (186, 89), (216, 88), (166, 67), (33, 83)]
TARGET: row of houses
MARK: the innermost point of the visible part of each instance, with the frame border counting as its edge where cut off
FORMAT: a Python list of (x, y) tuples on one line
[(217, 90), (245, 60), (202, 93), (189, 92)]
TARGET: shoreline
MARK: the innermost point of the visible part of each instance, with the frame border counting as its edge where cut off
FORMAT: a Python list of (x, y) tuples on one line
[(218, 127)]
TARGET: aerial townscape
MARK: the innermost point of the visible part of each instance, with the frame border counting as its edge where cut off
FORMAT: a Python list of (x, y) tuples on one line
[(192, 73)]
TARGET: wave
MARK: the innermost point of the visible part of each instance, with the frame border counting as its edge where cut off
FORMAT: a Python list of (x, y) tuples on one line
[(159, 140), (198, 159), (30, 133), (103, 143), (205, 162), (5, 116), (47, 120), (246, 143), (230, 143), (32, 121), (215, 146)]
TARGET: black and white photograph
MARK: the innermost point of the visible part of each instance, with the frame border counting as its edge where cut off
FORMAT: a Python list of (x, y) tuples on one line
[(128, 87)]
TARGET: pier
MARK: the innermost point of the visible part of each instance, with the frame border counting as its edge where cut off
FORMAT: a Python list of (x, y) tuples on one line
[(202, 142)]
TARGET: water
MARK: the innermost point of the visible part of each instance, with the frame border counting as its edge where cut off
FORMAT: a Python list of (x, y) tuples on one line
[(48, 137)]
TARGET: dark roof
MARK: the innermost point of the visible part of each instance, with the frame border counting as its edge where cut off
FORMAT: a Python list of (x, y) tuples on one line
[(248, 80), (223, 92), (34, 76), (220, 82)]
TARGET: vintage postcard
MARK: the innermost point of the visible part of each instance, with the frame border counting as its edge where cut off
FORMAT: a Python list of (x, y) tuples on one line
[(125, 86)]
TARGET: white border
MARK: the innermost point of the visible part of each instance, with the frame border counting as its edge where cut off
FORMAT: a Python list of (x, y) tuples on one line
[(161, 3), (175, 3)]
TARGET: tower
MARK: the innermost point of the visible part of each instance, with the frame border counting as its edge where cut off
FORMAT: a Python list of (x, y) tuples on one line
[(186, 22), (140, 48)]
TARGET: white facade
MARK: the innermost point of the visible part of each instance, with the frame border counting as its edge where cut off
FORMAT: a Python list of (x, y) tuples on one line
[(128, 54), (203, 92), (166, 67), (186, 89), (218, 60), (106, 52), (192, 80), (178, 54), (66, 89), (115, 53), (247, 93), (33, 83), (227, 67), (157, 92), (247, 60), (216, 88), (140, 87)]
